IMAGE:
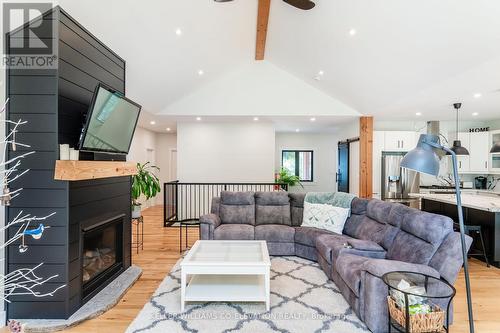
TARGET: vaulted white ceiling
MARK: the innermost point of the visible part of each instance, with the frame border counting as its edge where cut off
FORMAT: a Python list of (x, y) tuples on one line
[(405, 57)]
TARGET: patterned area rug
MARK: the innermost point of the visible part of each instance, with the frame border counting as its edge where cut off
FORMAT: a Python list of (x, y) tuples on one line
[(302, 300)]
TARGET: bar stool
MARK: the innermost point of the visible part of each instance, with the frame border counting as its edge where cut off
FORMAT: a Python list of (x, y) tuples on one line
[(468, 229)]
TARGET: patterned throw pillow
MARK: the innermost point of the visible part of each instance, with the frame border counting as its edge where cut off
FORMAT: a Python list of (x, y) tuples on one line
[(323, 216)]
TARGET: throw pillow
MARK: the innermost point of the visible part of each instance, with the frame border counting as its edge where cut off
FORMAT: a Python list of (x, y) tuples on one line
[(324, 216)]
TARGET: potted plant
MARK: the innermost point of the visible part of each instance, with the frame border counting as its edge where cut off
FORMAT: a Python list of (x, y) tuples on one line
[(285, 177), (146, 183)]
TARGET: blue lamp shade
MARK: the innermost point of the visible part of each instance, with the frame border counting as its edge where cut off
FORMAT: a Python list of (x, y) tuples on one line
[(423, 158)]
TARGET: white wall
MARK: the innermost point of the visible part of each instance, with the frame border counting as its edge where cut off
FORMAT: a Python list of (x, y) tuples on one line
[(143, 141), (258, 89), (161, 144), (165, 143), (324, 158), (225, 152)]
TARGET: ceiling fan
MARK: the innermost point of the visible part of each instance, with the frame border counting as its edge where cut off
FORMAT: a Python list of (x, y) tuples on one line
[(263, 18), (300, 4)]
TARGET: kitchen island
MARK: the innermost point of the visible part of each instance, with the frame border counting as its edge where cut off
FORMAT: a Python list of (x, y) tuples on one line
[(479, 208)]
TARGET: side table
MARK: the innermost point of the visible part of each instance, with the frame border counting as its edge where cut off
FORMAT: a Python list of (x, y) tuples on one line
[(186, 224), (401, 302), (138, 222)]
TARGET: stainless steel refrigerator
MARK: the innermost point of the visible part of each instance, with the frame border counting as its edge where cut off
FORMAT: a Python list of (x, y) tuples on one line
[(397, 182)]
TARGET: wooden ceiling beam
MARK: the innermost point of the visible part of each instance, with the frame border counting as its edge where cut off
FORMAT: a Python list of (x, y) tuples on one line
[(262, 21)]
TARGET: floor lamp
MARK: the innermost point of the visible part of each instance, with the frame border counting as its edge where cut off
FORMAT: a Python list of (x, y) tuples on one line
[(425, 160)]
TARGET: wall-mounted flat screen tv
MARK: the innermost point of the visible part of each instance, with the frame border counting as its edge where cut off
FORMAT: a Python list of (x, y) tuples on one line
[(111, 122)]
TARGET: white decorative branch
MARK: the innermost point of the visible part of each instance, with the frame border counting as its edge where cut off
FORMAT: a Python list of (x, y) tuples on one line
[(23, 281)]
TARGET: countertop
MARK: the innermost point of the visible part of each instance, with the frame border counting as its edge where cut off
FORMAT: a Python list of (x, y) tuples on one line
[(476, 199)]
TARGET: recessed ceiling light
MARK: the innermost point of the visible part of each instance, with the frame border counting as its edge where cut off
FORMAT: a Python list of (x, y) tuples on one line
[(201, 72), (477, 95), (313, 119), (198, 118), (352, 32), (297, 130), (152, 122), (321, 73), (168, 129), (475, 114), (178, 31), (418, 114), (256, 118)]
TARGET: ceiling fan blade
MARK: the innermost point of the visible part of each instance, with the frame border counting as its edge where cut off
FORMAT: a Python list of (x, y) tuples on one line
[(301, 4)]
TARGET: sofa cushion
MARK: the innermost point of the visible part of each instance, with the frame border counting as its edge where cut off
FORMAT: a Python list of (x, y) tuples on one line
[(272, 208), (281, 249), (364, 227), (350, 268), (420, 236), (307, 235), (432, 228), (215, 208), (237, 208), (374, 225), (297, 199), (234, 232), (448, 258), (275, 233), (409, 248), (358, 206), (397, 214), (332, 246), (326, 242), (378, 210), (237, 198), (296, 208)]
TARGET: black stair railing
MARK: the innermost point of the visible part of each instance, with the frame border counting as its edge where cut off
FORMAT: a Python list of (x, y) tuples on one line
[(188, 201)]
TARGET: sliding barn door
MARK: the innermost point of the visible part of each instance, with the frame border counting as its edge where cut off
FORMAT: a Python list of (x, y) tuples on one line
[(343, 167)]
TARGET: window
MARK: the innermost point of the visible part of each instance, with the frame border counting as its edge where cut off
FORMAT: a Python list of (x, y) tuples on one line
[(299, 163)]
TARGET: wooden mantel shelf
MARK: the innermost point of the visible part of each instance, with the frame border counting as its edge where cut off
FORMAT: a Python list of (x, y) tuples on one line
[(84, 170)]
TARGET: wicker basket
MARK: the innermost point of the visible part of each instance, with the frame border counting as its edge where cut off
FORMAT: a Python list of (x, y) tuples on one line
[(419, 323)]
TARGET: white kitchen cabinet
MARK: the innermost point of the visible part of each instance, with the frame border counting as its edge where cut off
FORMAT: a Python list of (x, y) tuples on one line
[(479, 152), (494, 158), (399, 140), (378, 148)]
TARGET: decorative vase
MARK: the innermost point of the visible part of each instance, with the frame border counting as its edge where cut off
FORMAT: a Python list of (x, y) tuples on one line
[(136, 211)]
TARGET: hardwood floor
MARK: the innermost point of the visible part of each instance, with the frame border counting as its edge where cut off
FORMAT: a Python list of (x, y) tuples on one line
[(161, 251)]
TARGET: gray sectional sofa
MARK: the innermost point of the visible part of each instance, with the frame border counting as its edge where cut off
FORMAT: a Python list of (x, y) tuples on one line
[(378, 237)]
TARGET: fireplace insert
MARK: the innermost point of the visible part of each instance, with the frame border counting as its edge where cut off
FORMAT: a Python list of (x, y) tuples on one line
[(102, 254)]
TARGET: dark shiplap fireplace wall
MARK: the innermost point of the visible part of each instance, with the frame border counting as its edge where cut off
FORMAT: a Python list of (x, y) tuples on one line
[(54, 102)]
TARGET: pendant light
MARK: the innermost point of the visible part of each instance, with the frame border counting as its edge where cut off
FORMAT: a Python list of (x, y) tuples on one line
[(457, 145)]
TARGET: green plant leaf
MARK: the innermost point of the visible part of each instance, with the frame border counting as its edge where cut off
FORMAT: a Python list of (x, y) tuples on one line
[(145, 182)]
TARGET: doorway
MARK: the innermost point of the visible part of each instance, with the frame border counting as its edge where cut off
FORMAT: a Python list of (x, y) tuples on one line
[(173, 165), (151, 158), (343, 167)]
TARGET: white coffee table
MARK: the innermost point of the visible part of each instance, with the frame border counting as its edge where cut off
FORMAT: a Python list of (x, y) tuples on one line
[(226, 271)]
